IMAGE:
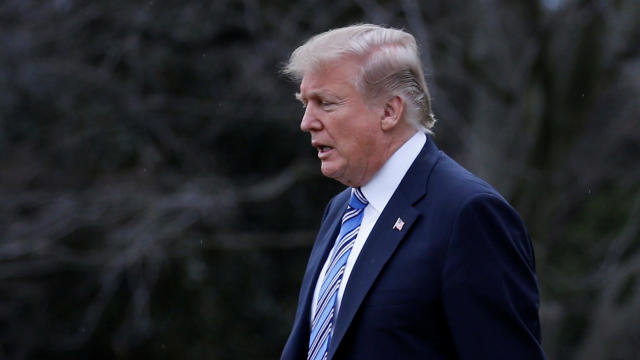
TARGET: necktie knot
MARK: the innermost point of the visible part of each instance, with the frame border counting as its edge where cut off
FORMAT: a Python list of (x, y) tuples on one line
[(357, 200)]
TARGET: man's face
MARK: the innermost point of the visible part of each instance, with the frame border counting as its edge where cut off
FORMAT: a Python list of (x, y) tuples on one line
[(346, 132)]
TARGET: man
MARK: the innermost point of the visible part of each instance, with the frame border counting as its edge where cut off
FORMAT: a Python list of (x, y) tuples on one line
[(418, 258)]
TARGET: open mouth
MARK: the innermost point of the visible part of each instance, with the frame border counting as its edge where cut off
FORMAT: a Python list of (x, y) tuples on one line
[(324, 151)]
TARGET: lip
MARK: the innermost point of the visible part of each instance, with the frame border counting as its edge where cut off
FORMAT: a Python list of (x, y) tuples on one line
[(322, 154)]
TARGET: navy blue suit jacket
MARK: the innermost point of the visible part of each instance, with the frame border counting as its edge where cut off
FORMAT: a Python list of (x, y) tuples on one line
[(457, 282)]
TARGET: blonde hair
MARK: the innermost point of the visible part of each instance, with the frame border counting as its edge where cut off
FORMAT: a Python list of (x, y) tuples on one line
[(390, 65)]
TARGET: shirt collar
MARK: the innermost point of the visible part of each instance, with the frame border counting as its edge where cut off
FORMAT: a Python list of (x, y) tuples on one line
[(384, 183)]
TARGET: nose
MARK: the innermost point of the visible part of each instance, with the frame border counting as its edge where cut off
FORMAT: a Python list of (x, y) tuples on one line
[(310, 121)]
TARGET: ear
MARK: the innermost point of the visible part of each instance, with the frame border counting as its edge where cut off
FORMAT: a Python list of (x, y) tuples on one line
[(392, 113)]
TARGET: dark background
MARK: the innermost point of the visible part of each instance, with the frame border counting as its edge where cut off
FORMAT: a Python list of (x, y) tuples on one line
[(157, 199)]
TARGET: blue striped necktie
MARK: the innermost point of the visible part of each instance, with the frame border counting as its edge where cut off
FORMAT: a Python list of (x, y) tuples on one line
[(326, 310)]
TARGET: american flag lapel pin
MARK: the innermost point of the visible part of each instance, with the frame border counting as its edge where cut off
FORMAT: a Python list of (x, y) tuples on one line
[(398, 225)]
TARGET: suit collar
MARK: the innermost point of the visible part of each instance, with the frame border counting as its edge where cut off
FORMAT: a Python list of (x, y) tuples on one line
[(384, 183), (414, 184)]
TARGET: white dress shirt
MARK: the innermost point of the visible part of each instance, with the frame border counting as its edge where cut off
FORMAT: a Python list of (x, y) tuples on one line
[(378, 191)]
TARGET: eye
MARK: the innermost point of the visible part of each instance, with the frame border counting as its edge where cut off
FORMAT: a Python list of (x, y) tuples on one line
[(327, 104)]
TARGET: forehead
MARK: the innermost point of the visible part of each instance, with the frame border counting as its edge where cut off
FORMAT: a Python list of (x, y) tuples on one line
[(330, 76)]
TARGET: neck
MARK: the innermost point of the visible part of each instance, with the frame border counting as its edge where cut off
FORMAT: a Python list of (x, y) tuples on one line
[(389, 147), (396, 140)]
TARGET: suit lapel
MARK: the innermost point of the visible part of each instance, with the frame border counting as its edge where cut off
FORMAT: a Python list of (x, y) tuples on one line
[(324, 243), (318, 259), (384, 239), (326, 237)]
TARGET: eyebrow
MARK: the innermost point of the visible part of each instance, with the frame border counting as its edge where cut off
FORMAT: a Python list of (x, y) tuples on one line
[(316, 94)]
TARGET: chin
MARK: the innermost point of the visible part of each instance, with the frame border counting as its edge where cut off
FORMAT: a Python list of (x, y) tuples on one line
[(331, 172), (328, 173)]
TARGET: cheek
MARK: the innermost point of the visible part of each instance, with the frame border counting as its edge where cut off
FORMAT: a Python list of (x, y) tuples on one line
[(357, 151), (353, 135)]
